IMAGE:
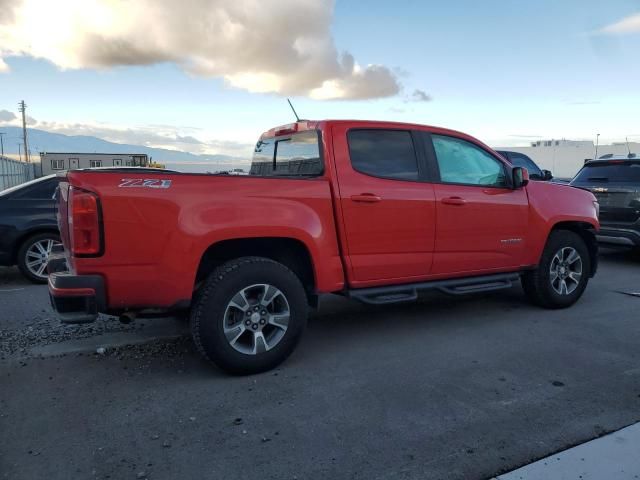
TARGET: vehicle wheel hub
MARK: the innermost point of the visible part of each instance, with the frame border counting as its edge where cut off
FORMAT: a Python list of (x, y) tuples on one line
[(37, 256), (256, 319), (565, 271)]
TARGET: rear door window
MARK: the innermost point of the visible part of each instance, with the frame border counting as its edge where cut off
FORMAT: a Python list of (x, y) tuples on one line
[(383, 153)]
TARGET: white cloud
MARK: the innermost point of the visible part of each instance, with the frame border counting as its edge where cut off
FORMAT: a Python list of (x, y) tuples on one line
[(270, 46), (627, 25), (7, 116)]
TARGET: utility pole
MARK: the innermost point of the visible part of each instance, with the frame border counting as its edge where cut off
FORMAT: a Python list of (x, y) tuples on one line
[(23, 107), (1, 144), (19, 152)]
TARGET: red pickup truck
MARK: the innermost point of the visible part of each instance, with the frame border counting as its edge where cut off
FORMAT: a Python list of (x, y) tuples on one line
[(376, 211)]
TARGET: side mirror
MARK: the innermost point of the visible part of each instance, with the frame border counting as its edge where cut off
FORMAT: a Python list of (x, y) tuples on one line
[(520, 177), (547, 175)]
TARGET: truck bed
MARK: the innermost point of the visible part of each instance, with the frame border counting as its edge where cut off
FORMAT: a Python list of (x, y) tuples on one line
[(158, 226)]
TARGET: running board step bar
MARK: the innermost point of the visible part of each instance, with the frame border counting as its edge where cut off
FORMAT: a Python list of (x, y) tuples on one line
[(457, 286)]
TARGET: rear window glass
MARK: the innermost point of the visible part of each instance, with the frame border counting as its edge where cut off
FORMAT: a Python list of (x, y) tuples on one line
[(296, 155), (24, 186), (626, 172), (383, 153), (40, 191)]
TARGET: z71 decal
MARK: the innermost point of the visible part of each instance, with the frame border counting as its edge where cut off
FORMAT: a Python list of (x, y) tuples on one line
[(142, 183)]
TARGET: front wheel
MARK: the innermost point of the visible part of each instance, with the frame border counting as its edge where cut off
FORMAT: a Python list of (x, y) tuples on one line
[(249, 315), (563, 273)]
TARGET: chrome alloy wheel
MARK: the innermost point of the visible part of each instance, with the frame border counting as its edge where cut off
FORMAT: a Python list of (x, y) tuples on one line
[(37, 256), (256, 319), (565, 271)]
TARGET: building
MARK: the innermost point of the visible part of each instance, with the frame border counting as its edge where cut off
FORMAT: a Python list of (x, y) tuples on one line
[(565, 157), (60, 161)]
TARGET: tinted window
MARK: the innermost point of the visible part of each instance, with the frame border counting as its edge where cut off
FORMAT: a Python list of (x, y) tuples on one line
[(40, 191), (625, 172), (383, 153), (296, 155), (462, 162)]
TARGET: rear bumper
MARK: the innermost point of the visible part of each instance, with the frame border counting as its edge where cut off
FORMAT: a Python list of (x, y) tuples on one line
[(619, 236), (76, 298)]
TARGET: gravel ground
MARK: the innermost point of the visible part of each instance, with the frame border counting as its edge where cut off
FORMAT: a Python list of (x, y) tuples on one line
[(446, 388), (27, 321), (44, 329)]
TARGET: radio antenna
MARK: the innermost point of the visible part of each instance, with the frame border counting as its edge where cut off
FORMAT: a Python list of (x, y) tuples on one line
[(628, 149), (294, 110)]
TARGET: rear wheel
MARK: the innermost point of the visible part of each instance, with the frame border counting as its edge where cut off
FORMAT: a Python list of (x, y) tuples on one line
[(34, 254), (249, 315), (563, 272)]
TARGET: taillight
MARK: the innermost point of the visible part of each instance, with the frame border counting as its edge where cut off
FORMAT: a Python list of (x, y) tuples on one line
[(85, 236)]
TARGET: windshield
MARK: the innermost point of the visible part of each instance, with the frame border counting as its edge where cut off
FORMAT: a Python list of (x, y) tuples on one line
[(526, 162), (288, 156), (610, 172), (521, 160)]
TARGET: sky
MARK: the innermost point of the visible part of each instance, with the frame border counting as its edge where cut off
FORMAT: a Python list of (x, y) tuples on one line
[(208, 76)]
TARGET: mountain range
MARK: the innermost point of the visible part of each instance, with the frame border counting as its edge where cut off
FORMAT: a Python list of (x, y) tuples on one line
[(43, 141)]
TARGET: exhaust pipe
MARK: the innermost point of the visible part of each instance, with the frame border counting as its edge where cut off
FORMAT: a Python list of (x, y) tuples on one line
[(127, 317)]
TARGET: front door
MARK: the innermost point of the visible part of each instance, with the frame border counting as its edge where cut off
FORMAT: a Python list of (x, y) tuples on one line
[(388, 208), (481, 220), (73, 164)]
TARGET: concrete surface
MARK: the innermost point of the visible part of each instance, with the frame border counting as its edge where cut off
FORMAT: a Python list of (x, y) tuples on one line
[(612, 457), (155, 330), (446, 388)]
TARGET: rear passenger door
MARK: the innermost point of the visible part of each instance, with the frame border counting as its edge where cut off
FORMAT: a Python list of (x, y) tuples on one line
[(481, 220), (387, 205)]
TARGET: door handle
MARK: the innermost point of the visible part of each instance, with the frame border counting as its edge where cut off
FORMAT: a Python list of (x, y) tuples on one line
[(366, 198), (453, 201)]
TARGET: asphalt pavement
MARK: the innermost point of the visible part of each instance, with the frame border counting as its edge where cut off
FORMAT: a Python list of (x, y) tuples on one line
[(448, 387)]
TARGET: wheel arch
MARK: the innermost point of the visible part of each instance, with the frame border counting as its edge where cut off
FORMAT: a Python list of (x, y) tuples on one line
[(290, 252), (586, 231)]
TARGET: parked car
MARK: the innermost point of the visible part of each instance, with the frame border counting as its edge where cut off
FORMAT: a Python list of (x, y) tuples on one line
[(521, 160), (615, 181), (28, 226), (375, 211)]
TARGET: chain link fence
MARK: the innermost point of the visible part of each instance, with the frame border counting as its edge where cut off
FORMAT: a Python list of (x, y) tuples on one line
[(13, 172)]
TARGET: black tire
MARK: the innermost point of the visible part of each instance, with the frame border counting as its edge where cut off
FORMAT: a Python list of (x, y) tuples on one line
[(537, 283), (23, 261), (208, 314)]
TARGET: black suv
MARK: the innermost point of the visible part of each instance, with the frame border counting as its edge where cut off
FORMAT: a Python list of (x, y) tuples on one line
[(615, 181), (28, 226)]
